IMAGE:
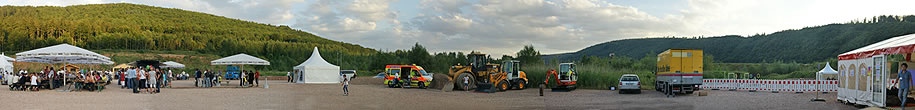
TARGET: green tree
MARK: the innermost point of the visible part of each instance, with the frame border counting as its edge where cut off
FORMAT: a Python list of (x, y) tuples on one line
[(528, 55), (418, 55)]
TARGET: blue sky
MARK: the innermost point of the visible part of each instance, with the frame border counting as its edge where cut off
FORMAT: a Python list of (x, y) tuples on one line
[(505, 26)]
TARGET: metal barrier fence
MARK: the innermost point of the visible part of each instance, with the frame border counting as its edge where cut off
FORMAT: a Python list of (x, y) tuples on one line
[(772, 85)]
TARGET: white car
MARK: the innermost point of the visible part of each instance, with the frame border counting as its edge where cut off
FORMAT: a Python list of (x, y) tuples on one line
[(379, 75), (630, 82)]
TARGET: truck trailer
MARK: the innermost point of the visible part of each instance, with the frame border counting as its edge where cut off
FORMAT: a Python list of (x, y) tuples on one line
[(679, 71)]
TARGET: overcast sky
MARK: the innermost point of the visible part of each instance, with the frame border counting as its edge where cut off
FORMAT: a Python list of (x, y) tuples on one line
[(504, 26)]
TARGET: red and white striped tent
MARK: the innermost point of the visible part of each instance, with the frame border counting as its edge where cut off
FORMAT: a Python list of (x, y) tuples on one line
[(865, 74)]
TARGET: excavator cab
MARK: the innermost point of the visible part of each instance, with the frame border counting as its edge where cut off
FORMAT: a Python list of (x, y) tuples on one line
[(566, 72)]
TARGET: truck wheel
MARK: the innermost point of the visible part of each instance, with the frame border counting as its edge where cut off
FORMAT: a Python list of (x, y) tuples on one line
[(503, 85), (521, 85)]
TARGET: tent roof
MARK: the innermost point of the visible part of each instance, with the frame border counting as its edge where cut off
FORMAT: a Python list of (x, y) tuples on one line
[(63, 53), (828, 70), (172, 64), (316, 60), (895, 45), (122, 66), (7, 58), (240, 59)]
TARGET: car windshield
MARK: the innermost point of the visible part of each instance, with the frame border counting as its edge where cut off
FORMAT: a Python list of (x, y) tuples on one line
[(348, 72), (630, 78), (393, 71)]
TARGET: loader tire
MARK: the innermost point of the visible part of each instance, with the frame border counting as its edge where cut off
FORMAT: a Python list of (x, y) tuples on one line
[(521, 85), (459, 82), (503, 85)]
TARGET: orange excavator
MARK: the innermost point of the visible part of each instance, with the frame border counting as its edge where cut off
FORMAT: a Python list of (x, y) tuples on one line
[(564, 80)]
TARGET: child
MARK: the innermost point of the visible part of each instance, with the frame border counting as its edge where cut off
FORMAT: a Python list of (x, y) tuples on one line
[(345, 85), (34, 82)]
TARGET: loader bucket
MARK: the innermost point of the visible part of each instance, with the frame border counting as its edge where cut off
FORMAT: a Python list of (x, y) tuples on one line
[(486, 88)]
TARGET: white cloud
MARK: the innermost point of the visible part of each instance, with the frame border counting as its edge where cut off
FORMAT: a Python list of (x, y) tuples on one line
[(268, 11), (504, 26)]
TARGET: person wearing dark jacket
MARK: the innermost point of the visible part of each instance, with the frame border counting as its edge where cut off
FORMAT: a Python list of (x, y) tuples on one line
[(197, 78)]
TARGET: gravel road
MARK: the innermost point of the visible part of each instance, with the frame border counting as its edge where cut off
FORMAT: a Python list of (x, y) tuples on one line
[(365, 94)]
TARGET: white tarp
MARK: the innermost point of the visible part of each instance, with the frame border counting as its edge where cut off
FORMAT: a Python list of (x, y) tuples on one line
[(63, 53), (240, 59), (316, 70), (172, 64)]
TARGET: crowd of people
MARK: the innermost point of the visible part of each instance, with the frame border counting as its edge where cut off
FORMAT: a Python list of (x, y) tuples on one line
[(140, 79), (50, 78), (148, 79), (208, 78)]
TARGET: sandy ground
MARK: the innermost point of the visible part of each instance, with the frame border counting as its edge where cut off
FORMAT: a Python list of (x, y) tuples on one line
[(366, 94)]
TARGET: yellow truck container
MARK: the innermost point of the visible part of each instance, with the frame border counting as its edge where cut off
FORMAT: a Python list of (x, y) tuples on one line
[(679, 71)]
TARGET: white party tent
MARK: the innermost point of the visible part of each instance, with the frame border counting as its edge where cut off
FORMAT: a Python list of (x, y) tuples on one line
[(4, 57), (867, 74), (172, 64), (6, 66), (63, 53), (316, 70), (827, 72), (240, 59)]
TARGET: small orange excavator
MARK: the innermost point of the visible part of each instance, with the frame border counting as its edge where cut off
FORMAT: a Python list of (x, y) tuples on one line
[(564, 80)]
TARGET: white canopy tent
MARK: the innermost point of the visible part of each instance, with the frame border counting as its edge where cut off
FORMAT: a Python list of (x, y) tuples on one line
[(240, 59), (63, 53), (316, 70), (172, 64), (6, 67), (827, 72), (7, 58)]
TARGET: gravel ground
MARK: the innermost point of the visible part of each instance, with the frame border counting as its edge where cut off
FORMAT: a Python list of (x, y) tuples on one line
[(367, 95)]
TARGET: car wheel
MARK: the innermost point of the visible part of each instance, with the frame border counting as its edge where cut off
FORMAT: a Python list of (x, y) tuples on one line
[(391, 84), (422, 85)]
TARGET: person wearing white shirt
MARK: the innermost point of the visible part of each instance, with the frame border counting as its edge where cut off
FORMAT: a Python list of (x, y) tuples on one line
[(153, 80)]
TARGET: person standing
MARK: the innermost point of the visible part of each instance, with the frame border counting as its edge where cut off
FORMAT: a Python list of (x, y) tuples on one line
[(154, 80), (345, 85), (288, 77), (905, 80), (141, 74), (197, 78), (257, 77), (241, 78), (121, 78), (132, 79)]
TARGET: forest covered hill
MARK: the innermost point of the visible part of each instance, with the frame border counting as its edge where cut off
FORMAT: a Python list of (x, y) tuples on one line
[(804, 45), (125, 26)]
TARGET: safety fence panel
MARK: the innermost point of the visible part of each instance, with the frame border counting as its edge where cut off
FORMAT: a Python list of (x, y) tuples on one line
[(772, 85)]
